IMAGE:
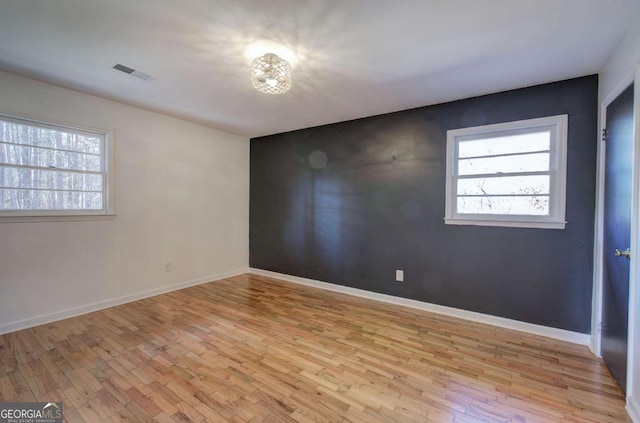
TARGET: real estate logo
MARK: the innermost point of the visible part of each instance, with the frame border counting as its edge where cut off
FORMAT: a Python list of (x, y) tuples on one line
[(30, 412)]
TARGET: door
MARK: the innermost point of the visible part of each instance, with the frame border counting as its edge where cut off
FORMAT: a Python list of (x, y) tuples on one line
[(617, 233)]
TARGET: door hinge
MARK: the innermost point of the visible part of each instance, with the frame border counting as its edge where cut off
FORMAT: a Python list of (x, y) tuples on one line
[(599, 328), (604, 134)]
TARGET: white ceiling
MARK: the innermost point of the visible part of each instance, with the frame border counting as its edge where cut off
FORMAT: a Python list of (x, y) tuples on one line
[(356, 58)]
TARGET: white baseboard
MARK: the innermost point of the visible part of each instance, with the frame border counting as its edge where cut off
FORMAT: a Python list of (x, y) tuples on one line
[(561, 334), (564, 335), (633, 409), (101, 305)]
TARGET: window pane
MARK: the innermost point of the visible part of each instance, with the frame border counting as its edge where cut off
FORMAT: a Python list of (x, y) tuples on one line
[(17, 133), (46, 167), (504, 164), (512, 144), (511, 171), (33, 156), (535, 184), (529, 205), (31, 199), (13, 177)]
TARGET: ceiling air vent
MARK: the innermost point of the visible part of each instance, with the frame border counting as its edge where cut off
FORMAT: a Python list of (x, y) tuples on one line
[(133, 72)]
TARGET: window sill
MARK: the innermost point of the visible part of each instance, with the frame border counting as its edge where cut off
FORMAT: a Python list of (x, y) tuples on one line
[(54, 218), (506, 223)]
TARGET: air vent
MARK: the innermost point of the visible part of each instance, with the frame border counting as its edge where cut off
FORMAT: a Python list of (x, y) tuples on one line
[(133, 72)]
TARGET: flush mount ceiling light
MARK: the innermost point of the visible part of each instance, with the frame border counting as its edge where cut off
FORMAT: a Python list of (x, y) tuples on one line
[(270, 74)]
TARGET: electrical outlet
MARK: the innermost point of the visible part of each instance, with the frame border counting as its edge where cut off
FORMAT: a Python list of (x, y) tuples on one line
[(167, 267), (399, 275)]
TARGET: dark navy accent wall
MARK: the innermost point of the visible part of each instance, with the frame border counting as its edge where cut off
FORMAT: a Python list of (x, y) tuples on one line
[(349, 203)]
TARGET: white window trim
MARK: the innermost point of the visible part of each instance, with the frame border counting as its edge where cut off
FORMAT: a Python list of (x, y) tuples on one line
[(108, 154), (557, 195)]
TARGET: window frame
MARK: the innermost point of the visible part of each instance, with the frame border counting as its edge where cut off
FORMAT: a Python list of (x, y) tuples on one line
[(107, 161), (558, 126)]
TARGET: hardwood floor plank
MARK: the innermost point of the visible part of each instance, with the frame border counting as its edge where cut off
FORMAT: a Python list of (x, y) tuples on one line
[(255, 349)]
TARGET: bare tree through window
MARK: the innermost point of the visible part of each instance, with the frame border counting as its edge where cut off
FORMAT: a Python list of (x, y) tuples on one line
[(48, 168)]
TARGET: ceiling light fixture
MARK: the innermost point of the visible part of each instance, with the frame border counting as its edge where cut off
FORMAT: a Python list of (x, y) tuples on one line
[(270, 74)]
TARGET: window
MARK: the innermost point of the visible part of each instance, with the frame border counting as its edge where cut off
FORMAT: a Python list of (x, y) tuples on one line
[(509, 174), (52, 170)]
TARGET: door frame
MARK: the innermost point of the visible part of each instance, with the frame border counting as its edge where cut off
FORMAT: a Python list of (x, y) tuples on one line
[(634, 269)]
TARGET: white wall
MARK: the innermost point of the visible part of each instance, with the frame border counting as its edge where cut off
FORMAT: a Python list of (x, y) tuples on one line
[(181, 196), (620, 64), (622, 60)]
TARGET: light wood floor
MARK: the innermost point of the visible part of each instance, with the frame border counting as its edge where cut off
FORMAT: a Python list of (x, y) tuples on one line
[(253, 349)]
